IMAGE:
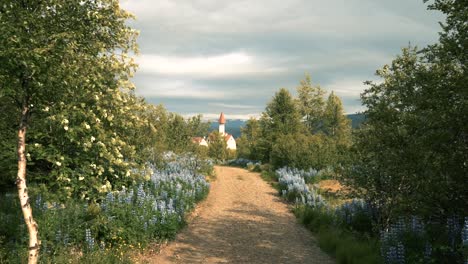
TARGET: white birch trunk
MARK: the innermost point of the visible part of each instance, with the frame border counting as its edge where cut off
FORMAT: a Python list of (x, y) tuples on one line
[(33, 250)]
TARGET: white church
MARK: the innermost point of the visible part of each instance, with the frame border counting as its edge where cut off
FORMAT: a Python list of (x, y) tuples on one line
[(230, 141)]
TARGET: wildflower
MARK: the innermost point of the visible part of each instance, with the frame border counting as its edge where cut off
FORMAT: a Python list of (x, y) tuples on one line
[(89, 239), (58, 163)]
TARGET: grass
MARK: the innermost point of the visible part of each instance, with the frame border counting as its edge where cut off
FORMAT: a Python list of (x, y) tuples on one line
[(346, 246), (271, 178)]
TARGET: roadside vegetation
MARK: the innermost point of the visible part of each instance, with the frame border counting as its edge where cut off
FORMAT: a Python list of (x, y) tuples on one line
[(90, 172), (401, 175), (86, 155)]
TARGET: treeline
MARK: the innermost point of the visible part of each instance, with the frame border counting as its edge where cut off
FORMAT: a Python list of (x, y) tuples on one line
[(310, 131)]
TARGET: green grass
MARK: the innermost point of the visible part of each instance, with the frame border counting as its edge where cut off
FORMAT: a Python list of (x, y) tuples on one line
[(346, 246), (271, 178)]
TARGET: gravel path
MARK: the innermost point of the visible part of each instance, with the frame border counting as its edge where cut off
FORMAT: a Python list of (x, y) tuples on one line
[(242, 221)]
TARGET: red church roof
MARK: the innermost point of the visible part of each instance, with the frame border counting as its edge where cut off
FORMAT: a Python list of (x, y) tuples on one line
[(197, 140), (227, 137), (222, 120)]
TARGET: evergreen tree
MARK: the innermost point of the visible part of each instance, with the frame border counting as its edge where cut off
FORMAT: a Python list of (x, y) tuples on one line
[(335, 123), (217, 147), (248, 141), (311, 104), (281, 115)]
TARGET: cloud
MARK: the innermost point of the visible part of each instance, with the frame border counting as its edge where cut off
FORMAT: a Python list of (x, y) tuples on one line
[(215, 116), (233, 106), (229, 64), (203, 55), (178, 89)]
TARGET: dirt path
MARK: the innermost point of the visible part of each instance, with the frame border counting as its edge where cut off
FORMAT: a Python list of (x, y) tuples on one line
[(242, 221)]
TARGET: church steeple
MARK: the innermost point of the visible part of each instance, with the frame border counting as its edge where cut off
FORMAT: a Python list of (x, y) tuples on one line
[(222, 122)]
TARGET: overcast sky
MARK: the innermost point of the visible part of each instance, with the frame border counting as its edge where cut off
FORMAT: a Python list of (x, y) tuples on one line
[(212, 56)]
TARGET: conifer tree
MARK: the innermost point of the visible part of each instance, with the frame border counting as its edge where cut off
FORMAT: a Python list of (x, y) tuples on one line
[(335, 123), (310, 103)]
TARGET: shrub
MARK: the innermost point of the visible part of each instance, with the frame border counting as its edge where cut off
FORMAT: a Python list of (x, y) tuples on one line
[(147, 211)]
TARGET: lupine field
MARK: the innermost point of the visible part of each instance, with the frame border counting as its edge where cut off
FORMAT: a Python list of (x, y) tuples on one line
[(409, 240), (149, 211)]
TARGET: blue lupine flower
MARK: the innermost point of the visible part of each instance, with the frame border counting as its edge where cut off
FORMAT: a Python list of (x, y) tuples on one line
[(66, 239), (453, 230), (89, 239), (464, 233), (427, 252), (58, 236)]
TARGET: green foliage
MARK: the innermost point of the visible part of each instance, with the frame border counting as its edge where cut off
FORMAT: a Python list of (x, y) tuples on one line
[(141, 214), (8, 160), (71, 91), (248, 145), (170, 132), (344, 245), (217, 148), (281, 115), (335, 123), (280, 118), (302, 133), (302, 151), (410, 154), (311, 104)]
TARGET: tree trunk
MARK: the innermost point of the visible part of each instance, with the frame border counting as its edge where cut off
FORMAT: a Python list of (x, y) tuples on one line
[(33, 231)]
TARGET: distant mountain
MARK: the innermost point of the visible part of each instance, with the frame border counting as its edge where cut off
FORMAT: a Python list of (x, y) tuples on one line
[(233, 126), (356, 119)]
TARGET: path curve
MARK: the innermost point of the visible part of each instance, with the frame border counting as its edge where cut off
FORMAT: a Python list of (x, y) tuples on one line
[(242, 221)]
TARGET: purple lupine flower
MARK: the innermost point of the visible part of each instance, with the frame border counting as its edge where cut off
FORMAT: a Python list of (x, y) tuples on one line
[(464, 232), (427, 252), (400, 253), (89, 239)]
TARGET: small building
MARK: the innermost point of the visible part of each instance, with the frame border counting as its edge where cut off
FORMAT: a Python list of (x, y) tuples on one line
[(200, 141), (230, 141)]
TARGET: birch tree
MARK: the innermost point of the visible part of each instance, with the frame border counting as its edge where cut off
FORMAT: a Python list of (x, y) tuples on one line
[(51, 51)]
